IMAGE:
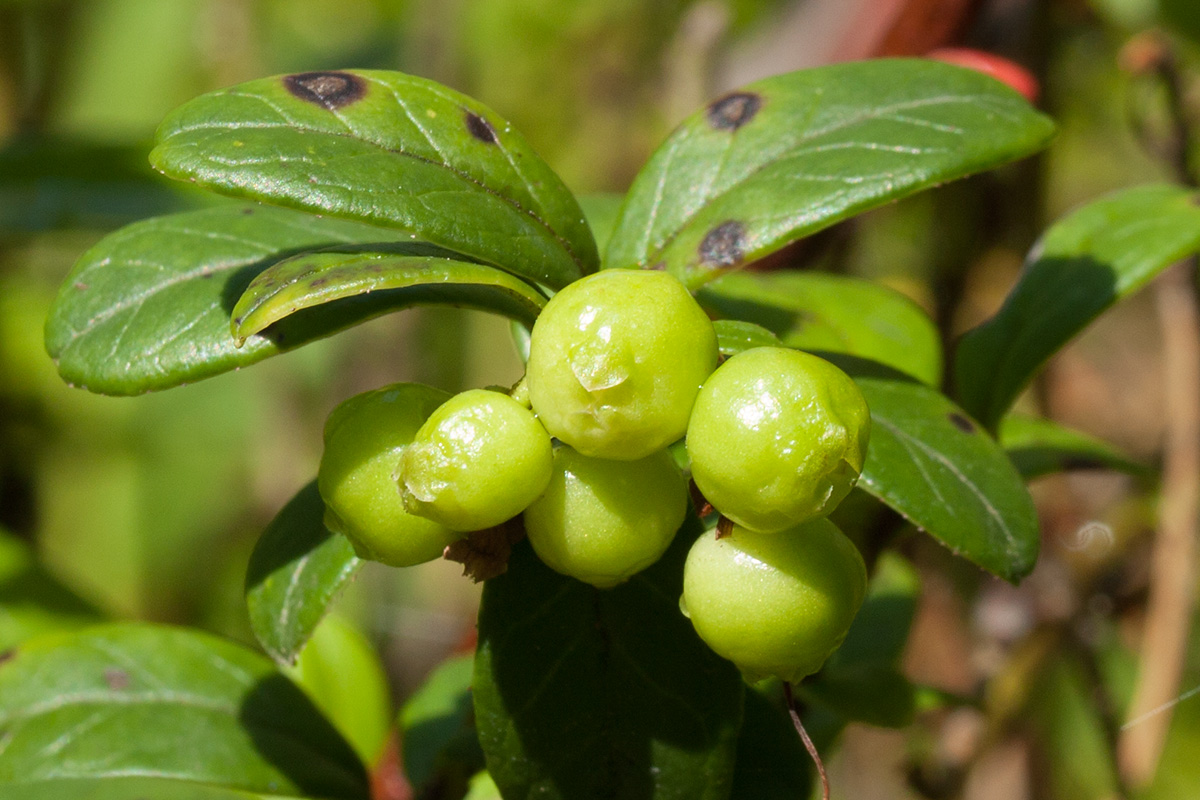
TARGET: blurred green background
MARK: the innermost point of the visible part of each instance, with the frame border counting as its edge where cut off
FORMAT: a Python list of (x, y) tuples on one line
[(148, 507)]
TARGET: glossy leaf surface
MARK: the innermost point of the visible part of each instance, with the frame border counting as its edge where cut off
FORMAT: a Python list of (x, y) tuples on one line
[(129, 789), (833, 313), (389, 149), (587, 693), (789, 155), (148, 307), (1084, 263), (412, 273), (1041, 447), (296, 571), (735, 335), (139, 700), (943, 472)]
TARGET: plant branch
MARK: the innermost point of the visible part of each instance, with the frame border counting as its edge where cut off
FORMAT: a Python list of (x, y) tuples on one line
[(804, 737)]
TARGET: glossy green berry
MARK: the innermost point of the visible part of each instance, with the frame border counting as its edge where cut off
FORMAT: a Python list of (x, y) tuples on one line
[(775, 604), (615, 361), (603, 521), (364, 437), (777, 437), (478, 460)]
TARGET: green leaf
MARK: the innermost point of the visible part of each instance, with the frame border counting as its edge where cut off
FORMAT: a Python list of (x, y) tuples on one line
[(833, 313), (735, 336), (482, 787), (296, 571), (340, 670), (148, 307), (128, 700), (587, 693), (601, 212), (129, 789), (861, 681), (1084, 263), (437, 730), (772, 764), (1041, 447), (942, 471), (787, 156), (389, 149), (413, 273), (33, 602)]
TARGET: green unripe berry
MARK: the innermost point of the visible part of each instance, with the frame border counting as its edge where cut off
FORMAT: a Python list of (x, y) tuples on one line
[(774, 603), (364, 437), (478, 460), (777, 437), (615, 361), (603, 521)]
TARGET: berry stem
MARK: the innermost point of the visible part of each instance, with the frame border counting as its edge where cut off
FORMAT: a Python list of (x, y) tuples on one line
[(808, 743)]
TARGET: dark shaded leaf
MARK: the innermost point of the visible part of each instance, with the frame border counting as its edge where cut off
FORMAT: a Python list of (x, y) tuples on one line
[(772, 763), (417, 272), (1041, 447), (437, 727), (296, 571), (148, 307), (787, 156), (1084, 263), (140, 700), (587, 693), (816, 311), (389, 149), (129, 789)]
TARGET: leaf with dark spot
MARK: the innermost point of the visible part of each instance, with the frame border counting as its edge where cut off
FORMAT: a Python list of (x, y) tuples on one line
[(822, 145), (962, 423), (724, 245), (480, 128), (962, 490), (733, 110), (387, 149), (333, 90), (184, 707)]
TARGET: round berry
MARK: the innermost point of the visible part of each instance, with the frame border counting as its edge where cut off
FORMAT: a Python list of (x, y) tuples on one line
[(774, 604), (364, 437), (615, 362), (603, 521), (478, 460), (777, 437)]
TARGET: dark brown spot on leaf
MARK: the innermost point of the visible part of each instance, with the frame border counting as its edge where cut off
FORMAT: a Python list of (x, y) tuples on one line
[(117, 679), (81, 286), (661, 266), (331, 90), (247, 211), (732, 111), (1082, 462), (724, 246), (480, 128), (315, 282), (8, 655), (962, 423)]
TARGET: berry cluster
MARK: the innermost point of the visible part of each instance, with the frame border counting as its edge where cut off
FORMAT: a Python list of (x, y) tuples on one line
[(621, 365)]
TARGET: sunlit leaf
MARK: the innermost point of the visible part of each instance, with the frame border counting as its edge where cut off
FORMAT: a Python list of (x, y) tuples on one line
[(148, 307), (789, 155), (389, 149), (417, 273), (296, 571), (129, 700), (833, 313), (1084, 263)]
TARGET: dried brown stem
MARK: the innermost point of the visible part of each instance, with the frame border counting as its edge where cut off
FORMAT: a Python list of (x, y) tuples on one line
[(804, 737)]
